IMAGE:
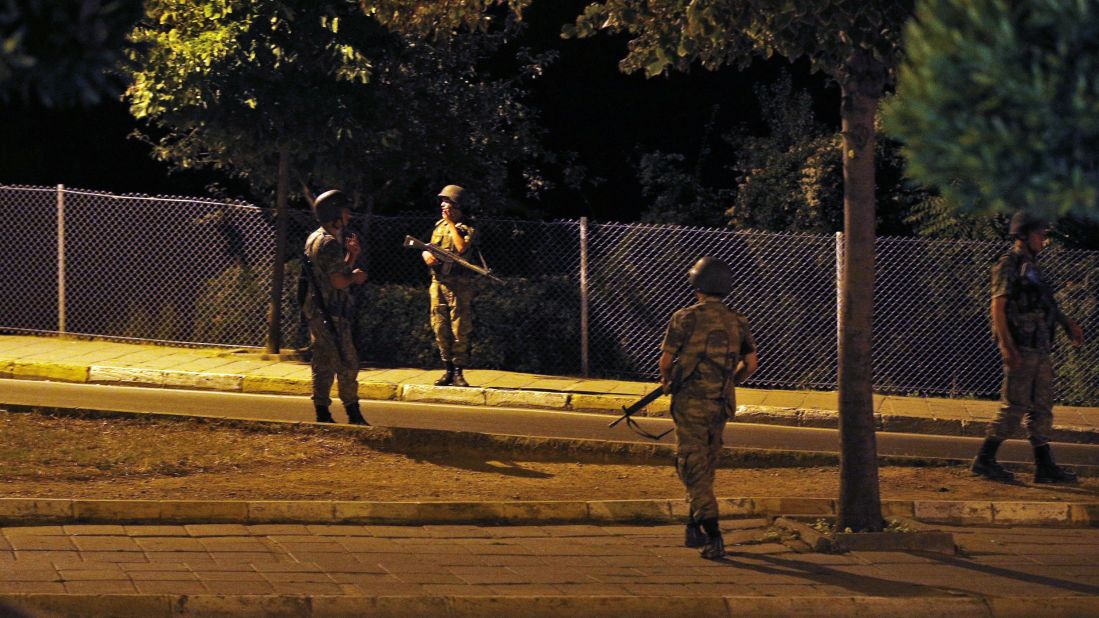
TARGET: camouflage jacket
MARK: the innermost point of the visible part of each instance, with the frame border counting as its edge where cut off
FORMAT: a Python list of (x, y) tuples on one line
[(708, 340)]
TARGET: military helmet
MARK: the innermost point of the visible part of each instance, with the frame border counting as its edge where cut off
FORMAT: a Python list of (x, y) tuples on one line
[(710, 275), (1023, 223), (328, 205), (452, 193)]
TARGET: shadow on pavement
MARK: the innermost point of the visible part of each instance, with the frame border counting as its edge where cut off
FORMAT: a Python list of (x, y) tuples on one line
[(1029, 578)]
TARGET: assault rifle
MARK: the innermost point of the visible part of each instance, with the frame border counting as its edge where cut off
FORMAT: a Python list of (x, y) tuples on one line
[(411, 242), (628, 413)]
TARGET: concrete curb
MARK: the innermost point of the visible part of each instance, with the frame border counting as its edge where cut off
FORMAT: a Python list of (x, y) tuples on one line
[(42, 511), (169, 605), (493, 397)]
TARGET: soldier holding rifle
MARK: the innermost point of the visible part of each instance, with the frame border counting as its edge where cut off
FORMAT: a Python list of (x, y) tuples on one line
[(707, 351), (330, 256), (452, 287)]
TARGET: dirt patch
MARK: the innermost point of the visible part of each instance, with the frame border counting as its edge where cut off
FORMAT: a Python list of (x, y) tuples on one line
[(45, 456)]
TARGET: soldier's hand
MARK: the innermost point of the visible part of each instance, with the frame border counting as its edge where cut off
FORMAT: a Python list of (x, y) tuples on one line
[(353, 246), (358, 276), (429, 258), (1011, 356), (1076, 334), (666, 385)]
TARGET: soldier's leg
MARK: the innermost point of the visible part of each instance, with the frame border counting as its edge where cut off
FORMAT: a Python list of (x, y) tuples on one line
[(1039, 423), (1016, 397), (461, 325), (348, 374), (440, 320), (1038, 420), (694, 456), (1016, 392), (323, 365)]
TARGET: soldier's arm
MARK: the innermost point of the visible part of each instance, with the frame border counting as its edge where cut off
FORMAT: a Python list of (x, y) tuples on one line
[(746, 367), (1003, 334), (749, 358), (674, 338)]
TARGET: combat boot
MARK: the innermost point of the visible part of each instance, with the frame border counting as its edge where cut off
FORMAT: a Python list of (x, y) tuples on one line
[(323, 415), (714, 548), (448, 377), (355, 416), (985, 463), (459, 379), (1047, 471), (693, 536)]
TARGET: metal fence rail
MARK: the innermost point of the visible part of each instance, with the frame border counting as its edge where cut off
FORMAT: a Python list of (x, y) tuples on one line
[(197, 271)]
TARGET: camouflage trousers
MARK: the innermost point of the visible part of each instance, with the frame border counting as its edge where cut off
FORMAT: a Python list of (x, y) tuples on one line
[(1026, 395), (328, 365), (452, 320), (699, 425)]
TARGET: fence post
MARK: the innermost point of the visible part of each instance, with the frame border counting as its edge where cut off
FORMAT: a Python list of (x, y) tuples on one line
[(585, 367), (274, 326), (61, 259), (839, 293)]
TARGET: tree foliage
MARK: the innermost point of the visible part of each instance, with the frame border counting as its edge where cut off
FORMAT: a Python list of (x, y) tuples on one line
[(998, 104), (359, 104), (64, 52)]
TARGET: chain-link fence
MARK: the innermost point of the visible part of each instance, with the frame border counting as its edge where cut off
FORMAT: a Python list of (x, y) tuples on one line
[(197, 271)]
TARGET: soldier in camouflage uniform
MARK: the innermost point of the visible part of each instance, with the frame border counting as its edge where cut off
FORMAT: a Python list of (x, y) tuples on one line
[(332, 255), (452, 287), (1024, 316), (707, 351)]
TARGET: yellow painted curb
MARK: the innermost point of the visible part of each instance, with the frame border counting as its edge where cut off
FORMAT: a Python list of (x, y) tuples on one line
[(378, 390), (6, 368), (586, 401), (526, 399), (62, 372), (277, 386), (443, 394)]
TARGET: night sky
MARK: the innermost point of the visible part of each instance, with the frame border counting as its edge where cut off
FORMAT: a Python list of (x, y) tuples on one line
[(586, 105)]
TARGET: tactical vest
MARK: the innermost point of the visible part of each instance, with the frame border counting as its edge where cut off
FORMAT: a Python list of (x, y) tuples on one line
[(1029, 314), (709, 358)]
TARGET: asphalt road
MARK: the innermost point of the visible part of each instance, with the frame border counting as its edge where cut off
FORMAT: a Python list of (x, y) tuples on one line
[(510, 421)]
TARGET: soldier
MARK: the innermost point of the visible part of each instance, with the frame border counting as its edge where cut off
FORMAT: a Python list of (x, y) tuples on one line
[(707, 351), (451, 287), (328, 306), (1023, 318)]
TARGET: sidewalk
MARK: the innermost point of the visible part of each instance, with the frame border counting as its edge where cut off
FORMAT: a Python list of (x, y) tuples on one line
[(132, 364), (584, 570)]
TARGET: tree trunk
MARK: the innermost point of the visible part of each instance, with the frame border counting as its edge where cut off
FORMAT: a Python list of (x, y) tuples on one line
[(860, 500), (274, 311)]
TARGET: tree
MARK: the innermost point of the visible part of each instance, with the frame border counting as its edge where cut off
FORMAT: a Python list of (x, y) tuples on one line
[(999, 107), (857, 43), (63, 53), (322, 92)]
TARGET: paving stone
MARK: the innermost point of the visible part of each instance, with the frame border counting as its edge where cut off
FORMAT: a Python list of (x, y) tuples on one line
[(92, 575), (95, 530), (310, 588), (487, 575), (170, 587), (105, 586), (105, 543), (22, 587), (170, 544), (217, 530), (139, 576), (234, 587), (156, 531)]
